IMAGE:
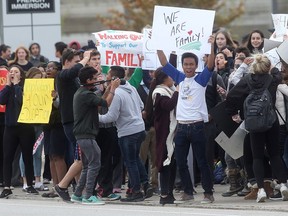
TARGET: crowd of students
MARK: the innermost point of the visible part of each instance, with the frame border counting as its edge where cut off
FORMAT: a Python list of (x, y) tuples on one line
[(106, 120)]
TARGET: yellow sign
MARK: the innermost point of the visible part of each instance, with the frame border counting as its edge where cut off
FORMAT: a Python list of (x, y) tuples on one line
[(37, 101)]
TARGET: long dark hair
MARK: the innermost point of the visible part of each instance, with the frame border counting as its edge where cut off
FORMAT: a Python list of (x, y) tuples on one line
[(159, 78), (22, 74), (249, 44)]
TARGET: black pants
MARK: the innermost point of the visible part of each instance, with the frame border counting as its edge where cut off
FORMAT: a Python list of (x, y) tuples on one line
[(1, 152), (107, 141), (24, 136), (270, 140), (248, 162), (211, 134), (167, 178)]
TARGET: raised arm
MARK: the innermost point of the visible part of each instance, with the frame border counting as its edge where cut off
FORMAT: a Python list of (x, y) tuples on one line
[(86, 57), (162, 57), (211, 57)]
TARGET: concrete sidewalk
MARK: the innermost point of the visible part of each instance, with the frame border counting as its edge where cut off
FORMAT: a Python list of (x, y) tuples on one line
[(233, 202)]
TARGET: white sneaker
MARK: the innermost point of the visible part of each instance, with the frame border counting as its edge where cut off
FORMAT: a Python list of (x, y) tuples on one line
[(284, 191), (261, 195)]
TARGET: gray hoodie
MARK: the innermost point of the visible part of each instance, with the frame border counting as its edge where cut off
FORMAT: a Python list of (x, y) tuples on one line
[(125, 110)]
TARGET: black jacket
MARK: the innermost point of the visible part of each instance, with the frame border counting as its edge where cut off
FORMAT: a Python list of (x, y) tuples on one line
[(67, 83), (12, 97), (3, 62), (239, 92), (86, 120)]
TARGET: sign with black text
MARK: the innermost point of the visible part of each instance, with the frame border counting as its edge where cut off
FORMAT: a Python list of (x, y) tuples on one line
[(30, 6)]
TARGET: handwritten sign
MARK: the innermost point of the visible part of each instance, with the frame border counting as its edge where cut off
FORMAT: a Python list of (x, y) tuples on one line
[(3, 75), (122, 48), (182, 29), (37, 101), (151, 60), (274, 58), (280, 24)]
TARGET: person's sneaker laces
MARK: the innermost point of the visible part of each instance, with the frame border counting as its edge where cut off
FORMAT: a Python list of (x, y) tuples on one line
[(76, 199), (93, 200), (63, 193), (113, 197), (6, 193), (208, 198), (31, 190), (261, 195), (284, 192)]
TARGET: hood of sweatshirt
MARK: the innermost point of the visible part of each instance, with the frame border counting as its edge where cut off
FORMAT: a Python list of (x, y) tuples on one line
[(126, 87), (257, 81)]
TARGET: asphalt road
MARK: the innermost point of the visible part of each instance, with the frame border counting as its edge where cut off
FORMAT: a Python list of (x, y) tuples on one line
[(17, 207)]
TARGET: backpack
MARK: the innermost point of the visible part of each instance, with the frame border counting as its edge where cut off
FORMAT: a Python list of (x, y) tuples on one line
[(259, 113)]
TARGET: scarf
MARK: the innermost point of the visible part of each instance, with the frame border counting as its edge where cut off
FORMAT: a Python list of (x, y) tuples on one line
[(166, 91)]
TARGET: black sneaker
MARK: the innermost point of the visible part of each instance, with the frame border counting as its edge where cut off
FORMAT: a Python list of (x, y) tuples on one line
[(277, 196), (6, 193), (134, 197), (169, 199), (63, 193), (31, 190), (148, 190)]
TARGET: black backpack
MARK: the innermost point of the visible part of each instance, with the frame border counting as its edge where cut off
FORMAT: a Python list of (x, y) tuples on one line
[(259, 113)]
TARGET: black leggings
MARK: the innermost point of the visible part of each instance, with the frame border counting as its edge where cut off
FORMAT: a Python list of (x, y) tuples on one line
[(248, 162), (24, 136), (167, 177), (270, 139)]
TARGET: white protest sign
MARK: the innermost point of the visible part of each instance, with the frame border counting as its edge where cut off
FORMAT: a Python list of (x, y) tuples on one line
[(151, 61), (182, 30), (280, 24), (274, 58), (121, 48)]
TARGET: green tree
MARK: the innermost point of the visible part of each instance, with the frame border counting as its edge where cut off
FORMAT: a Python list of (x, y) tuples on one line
[(139, 13)]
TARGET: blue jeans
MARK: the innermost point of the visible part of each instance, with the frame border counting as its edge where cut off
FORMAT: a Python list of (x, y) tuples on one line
[(130, 148), (186, 135)]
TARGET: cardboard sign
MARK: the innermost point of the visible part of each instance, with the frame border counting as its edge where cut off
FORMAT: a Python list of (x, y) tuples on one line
[(121, 48), (182, 30), (37, 101), (3, 77), (233, 145)]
